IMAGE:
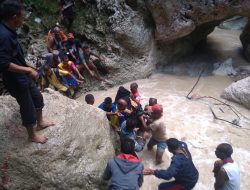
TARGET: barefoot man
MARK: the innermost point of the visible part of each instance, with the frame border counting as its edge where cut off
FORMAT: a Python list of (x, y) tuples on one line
[(17, 75), (159, 134)]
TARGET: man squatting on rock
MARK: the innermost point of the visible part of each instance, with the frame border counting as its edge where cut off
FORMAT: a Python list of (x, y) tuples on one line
[(17, 75)]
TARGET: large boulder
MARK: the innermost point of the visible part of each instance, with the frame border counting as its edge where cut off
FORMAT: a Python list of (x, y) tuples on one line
[(74, 157), (239, 92)]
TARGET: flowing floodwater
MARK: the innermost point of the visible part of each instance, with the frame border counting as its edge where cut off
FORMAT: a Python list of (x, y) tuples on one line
[(192, 120)]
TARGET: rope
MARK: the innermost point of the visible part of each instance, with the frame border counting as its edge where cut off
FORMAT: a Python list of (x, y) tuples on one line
[(234, 110), (195, 84), (233, 123)]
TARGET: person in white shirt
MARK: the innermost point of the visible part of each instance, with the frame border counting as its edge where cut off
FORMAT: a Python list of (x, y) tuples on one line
[(226, 171)]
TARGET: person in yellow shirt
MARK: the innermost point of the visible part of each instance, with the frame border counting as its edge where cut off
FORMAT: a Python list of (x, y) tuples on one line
[(53, 78), (67, 69), (120, 115)]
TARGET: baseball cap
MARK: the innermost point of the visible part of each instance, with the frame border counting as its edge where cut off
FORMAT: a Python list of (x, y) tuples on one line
[(157, 108)]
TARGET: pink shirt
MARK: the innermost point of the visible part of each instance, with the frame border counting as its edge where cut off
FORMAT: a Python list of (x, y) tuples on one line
[(136, 96)]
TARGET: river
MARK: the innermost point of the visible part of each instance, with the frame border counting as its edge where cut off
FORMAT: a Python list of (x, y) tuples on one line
[(192, 120)]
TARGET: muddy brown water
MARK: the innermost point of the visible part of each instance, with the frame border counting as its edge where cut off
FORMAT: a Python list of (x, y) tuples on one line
[(192, 120)]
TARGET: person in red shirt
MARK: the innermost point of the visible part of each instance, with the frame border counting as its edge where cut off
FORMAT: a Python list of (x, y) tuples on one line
[(135, 95), (67, 69)]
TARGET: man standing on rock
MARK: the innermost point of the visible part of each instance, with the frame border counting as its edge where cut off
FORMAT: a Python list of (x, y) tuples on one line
[(226, 172), (17, 75)]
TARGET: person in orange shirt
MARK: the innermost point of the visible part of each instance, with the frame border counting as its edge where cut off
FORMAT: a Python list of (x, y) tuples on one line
[(55, 39)]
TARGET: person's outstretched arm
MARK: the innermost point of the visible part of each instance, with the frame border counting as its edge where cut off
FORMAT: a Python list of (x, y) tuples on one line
[(170, 172), (77, 71)]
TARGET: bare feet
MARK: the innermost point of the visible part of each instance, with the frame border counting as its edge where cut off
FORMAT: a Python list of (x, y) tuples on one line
[(44, 125), (38, 139)]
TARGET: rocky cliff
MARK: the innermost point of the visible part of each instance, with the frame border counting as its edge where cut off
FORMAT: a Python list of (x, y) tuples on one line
[(137, 35), (74, 156)]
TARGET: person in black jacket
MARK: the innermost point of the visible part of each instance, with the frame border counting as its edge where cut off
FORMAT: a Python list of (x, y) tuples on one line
[(181, 168), (18, 77)]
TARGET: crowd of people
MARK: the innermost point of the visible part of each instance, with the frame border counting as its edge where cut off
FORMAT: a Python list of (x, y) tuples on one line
[(67, 59), (65, 63), (135, 126)]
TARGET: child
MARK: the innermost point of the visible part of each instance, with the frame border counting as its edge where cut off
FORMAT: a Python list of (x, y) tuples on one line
[(158, 129), (52, 76), (135, 95), (66, 69), (90, 99), (108, 107), (121, 113)]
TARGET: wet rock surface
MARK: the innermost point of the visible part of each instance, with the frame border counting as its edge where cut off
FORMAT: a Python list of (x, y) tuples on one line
[(239, 92), (74, 157)]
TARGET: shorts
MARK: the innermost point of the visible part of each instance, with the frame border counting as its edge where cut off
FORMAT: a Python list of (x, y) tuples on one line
[(170, 186), (71, 82), (161, 145), (30, 100), (139, 144)]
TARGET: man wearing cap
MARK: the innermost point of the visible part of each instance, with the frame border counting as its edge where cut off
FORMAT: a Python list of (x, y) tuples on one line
[(181, 168), (159, 135)]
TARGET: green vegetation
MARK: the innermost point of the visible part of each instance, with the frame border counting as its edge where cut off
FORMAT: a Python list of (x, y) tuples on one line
[(90, 24), (46, 10)]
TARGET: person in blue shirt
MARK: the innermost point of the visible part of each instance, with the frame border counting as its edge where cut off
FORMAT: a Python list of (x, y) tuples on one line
[(108, 107), (18, 77), (181, 168), (128, 130)]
